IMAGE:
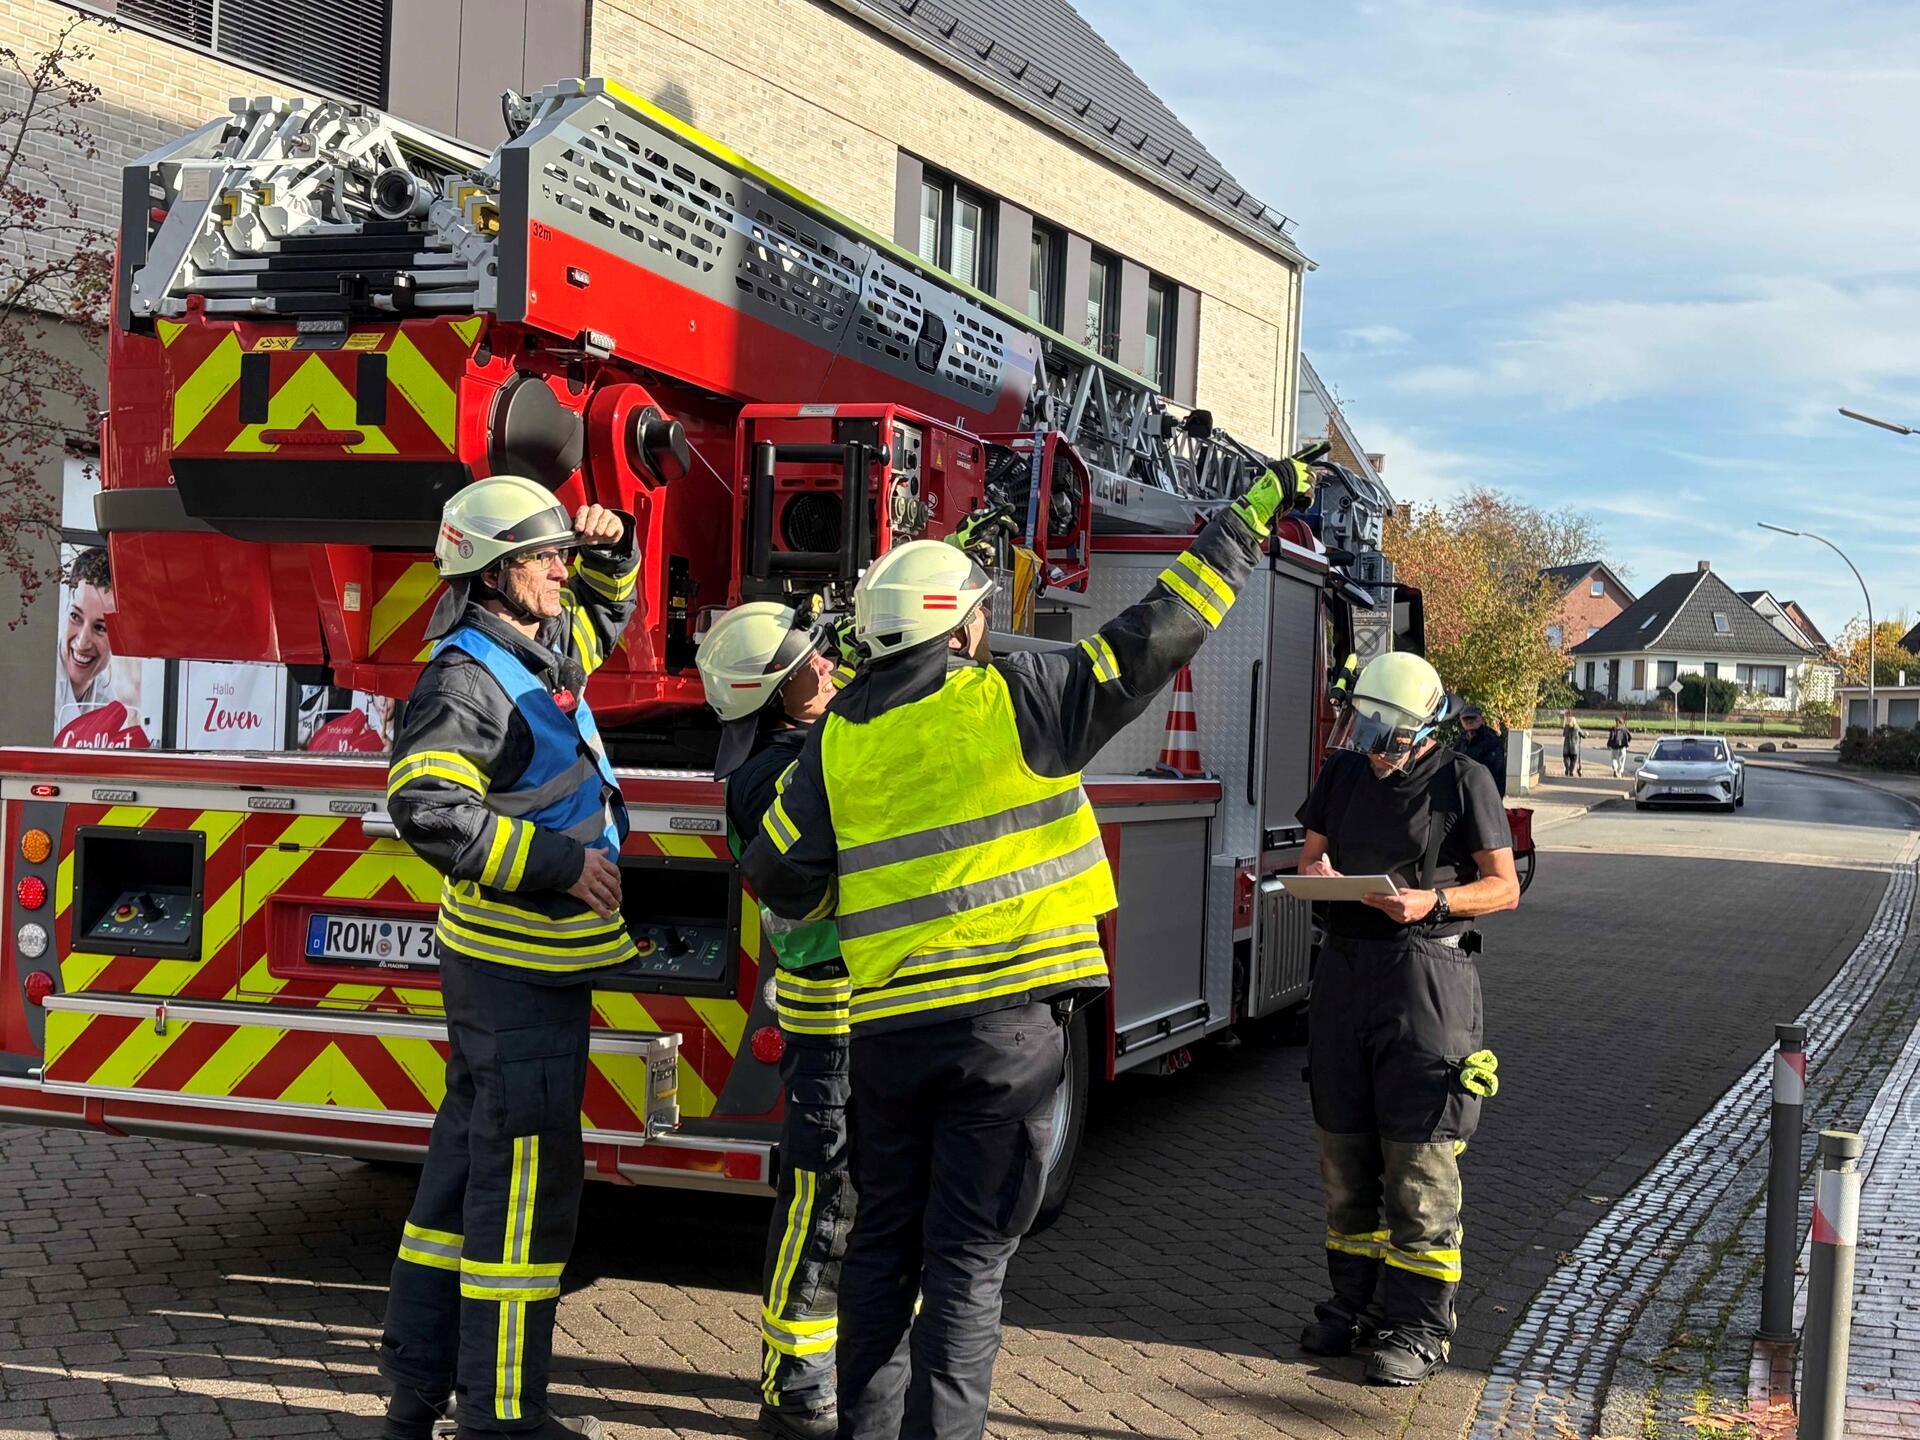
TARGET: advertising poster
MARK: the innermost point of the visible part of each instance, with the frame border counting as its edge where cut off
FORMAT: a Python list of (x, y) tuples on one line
[(101, 701), (336, 721), (231, 705)]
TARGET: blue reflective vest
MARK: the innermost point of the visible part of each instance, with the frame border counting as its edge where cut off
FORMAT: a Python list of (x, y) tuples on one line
[(567, 786)]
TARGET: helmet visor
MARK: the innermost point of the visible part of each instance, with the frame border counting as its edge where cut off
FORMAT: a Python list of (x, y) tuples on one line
[(1380, 732), (545, 527)]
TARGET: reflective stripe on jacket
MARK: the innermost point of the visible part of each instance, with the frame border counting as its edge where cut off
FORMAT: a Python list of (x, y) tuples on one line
[(998, 896), (567, 787)]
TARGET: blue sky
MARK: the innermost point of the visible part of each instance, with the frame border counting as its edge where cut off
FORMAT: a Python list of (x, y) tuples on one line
[(1628, 258)]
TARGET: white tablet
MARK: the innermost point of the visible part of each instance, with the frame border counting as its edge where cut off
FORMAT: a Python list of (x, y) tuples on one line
[(1337, 887)]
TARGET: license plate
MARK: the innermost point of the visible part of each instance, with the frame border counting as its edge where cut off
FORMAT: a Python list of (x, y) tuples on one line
[(370, 940)]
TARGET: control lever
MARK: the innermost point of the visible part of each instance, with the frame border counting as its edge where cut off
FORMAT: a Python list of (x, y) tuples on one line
[(673, 942)]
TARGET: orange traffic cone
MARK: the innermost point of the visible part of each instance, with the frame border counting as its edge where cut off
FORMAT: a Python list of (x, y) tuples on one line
[(1180, 751)]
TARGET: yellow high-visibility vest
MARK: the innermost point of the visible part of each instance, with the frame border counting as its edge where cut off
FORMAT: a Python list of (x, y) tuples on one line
[(966, 881)]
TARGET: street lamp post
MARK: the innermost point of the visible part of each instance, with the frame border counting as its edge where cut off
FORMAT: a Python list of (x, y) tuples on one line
[(1872, 709)]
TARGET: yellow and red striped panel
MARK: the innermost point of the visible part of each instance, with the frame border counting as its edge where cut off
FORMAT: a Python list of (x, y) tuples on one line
[(263, 874)]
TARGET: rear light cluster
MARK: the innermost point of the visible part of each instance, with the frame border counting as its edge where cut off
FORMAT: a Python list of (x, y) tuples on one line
[(31, 939)]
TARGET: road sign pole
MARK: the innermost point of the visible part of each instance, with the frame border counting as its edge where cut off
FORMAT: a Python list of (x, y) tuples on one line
[(1836, 1224), (1783, 1182)]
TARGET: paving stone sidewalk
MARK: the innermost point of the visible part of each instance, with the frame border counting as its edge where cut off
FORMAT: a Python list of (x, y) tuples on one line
[(1648, 1325)]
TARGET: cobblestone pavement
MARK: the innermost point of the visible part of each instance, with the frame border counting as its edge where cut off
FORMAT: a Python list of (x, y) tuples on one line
[(1670, 1275), (185, 1290)]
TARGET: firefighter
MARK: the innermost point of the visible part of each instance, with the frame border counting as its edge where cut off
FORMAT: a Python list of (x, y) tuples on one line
[(500, 781), (769, 677), (937, 812), (1395, 1059)]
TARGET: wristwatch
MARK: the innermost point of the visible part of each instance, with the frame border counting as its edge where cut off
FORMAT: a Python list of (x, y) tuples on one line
[(1442, 912)]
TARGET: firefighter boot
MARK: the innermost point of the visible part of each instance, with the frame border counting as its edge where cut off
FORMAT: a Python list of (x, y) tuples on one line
[(412, 1415), (800, 1424), (1402, 1359), (551, 1427)]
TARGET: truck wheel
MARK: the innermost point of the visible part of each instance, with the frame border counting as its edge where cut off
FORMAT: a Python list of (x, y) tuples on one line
[(1069, 1124)]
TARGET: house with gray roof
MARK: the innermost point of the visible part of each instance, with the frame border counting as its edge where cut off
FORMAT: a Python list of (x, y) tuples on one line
[(1692, 623)]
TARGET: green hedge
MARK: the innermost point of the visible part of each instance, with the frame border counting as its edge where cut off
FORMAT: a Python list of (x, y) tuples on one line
[(1884, 749)]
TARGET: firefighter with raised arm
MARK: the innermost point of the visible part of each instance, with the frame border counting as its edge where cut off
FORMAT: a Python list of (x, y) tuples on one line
[(769, 676), (500, 781), (937, 813), (1396, 1062)]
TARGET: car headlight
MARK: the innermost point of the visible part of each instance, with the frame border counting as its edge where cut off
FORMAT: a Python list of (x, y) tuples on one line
[(1646, 774)]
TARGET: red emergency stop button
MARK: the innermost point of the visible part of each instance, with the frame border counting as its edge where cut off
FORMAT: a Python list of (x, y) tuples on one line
[(31, 892), (769, 1044), (37, 986)]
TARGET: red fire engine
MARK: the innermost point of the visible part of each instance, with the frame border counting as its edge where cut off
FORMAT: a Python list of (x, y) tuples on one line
[(328, 321)]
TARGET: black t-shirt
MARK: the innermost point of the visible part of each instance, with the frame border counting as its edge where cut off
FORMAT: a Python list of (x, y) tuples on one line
[(1379, 827)]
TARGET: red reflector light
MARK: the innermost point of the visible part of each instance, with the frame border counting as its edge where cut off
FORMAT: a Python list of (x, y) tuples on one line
[(37, 986), (31, 892), (769, 1044), (43, 791)]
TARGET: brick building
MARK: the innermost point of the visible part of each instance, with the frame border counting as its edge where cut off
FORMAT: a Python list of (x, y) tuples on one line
[(1003, 140), (1591, 598)]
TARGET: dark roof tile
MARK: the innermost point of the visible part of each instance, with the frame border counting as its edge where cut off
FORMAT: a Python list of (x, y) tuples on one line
[(1677, 617), (1047, 52)]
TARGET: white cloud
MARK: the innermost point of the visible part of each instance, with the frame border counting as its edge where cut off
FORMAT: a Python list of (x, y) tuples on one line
[(1377, 337), (1420, 470), (1795, 346)]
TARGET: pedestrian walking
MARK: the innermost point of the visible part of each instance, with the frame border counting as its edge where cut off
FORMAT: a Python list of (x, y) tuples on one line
[(1619, 742), (1396, 1061), (500, 782), (769, 677), (938, 810), (1571, 736), (1480, 741)]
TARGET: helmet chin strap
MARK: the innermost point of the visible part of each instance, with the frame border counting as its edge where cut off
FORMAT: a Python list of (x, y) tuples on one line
[(514, 606)]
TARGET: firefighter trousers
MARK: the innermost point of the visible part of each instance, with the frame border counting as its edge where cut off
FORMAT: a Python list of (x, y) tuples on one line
[(477, 1281), (812, 1212), (952, 1123), (1387, 1027)]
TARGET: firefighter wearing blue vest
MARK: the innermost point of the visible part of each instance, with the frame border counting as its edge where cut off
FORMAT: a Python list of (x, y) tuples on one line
[(769, 675), (500, 781), (937, 814)]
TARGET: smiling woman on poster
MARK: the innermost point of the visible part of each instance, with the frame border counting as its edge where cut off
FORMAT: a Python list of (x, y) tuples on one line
[(85, 676)]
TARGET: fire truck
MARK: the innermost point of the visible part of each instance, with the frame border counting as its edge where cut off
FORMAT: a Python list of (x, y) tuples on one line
[(326, 322)]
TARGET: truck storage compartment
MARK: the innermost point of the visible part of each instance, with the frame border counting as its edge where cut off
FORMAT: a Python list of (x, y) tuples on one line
[(138, 892)]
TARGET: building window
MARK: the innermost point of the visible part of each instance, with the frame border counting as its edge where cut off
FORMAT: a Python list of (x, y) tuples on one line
[(1762, 679), (1649, 620), (1597, 589), (1556, 637), (1721, 625), (1163, 309), (1589, 684), (1713, 670), (341, 46), (1666, 670), (1046, 275), (956, 230), (1103, 304)]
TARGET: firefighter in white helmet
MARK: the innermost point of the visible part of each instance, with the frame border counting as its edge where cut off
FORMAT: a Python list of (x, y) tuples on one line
[(500, 781), (1397, 1067), (937, 812), (769, 675)]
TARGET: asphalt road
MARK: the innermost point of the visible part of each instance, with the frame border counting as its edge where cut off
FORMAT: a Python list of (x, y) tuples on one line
[(195, 1291)]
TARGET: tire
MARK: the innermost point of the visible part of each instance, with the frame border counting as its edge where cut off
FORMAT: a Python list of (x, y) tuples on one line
[(1070, 1127), (1641, 805), (1729, 807), (1524, 865)]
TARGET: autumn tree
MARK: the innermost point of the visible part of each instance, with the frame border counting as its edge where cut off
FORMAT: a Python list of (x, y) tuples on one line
[(55, 280), (1477, 561), (1889, 657)]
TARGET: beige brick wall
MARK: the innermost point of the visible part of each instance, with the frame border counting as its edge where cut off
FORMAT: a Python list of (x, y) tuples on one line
[(150, 91), (826, 103)]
